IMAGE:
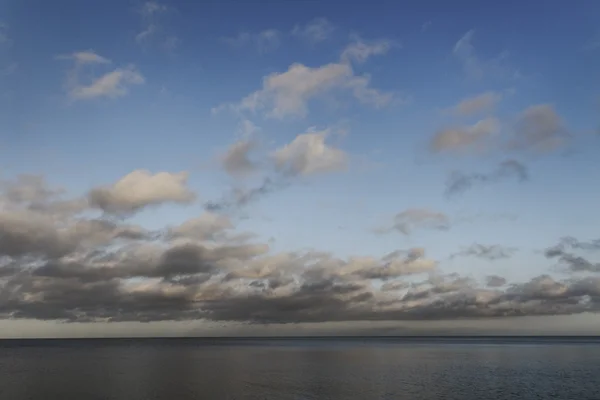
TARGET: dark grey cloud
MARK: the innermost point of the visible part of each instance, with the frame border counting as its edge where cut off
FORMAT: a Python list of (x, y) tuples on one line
[(495, 281), (565, 253), (459, 182)]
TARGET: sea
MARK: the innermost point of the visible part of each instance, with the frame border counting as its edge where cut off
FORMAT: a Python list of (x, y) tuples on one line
[(332, 368)]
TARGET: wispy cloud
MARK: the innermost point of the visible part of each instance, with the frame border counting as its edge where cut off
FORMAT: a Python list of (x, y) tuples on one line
[(265, 41), (359, 50), (155, 30), (315, 31), (413, 219), (488, 252), (477, 68)]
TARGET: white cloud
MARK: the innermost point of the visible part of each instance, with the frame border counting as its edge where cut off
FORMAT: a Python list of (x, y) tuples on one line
[(265, 41), (315, 31), (308, 154), (288, 93), (112, 84), (140, 189)]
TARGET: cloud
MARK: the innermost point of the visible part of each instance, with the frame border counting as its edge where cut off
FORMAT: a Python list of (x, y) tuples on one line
[(236, 161), (539, 129), (459, 182), (488, 252), (495, 281), (72, 267), (564, 252), (60, 262), (413, 219), (207, 226), (465, 138), (316, 31), (308, 154), (85, 57), (483, 102), (426, 25), (154, 31), (289, 93), (113, 84), (476, 68), (140, 189), (240, 197), (360, 50), (265, 41)]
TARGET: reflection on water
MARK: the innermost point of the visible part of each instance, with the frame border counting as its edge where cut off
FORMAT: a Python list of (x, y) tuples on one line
[(300, 370)]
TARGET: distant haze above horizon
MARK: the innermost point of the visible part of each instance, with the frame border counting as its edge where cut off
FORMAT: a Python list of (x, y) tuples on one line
[(177, 168)]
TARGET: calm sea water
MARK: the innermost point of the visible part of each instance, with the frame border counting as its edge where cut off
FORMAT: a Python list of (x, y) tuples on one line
[(413, 369)]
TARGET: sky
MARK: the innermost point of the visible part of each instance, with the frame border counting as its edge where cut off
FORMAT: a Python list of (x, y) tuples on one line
[(275, 167)]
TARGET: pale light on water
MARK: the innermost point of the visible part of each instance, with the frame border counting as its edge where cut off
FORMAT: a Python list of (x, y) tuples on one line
[(298, 370)]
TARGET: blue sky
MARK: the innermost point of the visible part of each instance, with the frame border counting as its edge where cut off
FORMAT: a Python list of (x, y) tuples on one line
[(392, 78)]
